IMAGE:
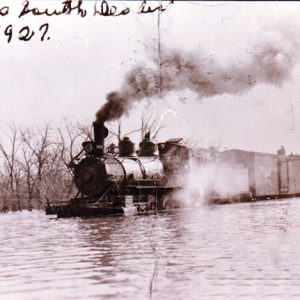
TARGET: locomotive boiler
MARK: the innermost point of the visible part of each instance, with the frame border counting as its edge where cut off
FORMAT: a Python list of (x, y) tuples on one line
[(110, 182)]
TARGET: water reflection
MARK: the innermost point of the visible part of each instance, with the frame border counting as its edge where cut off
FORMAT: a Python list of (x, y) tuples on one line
[(233, 251)]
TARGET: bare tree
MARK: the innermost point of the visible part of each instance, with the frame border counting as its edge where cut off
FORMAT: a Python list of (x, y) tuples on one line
[(38, 143), (70, 141), (150, 124), (9, 151), (26, 162), (69, 147)]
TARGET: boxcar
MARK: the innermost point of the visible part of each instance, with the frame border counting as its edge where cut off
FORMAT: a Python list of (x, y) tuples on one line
[(262, 171)]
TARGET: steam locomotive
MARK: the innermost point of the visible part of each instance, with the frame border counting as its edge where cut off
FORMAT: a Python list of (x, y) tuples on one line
[(127, 181)]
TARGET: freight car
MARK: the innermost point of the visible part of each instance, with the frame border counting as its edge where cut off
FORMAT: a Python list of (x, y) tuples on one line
[(269, 176)]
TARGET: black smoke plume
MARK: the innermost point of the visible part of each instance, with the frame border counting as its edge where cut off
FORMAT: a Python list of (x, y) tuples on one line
[(271, 62)]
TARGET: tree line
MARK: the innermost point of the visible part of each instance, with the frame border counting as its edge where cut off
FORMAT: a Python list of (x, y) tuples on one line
[(34, 164)]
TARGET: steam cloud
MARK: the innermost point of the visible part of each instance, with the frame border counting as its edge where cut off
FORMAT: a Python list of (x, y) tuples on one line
[(271, 62), (212, 179)]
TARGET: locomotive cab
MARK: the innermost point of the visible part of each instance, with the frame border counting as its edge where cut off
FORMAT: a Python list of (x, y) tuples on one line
[(174, 155)]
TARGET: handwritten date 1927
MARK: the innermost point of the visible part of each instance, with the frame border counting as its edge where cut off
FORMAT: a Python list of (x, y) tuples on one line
[(26, 33)]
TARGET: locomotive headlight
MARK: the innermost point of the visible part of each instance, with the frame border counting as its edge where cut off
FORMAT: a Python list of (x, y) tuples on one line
[(87, 147)]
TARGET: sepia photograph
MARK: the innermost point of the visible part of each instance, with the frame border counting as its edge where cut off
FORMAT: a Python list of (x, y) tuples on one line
[(149, 149)]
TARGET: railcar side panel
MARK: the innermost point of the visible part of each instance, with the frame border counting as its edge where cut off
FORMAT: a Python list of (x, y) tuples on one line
[(231, 180), (283, 178), (294, 175), (266, 174), (244, 158)]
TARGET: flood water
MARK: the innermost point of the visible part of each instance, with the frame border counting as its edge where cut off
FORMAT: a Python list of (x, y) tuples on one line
[(238, 251)]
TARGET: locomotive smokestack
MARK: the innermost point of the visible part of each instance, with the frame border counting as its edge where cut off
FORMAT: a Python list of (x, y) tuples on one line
[(100, 133)]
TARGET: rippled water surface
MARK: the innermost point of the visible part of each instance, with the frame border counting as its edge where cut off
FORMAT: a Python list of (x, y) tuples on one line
[(240, 251)]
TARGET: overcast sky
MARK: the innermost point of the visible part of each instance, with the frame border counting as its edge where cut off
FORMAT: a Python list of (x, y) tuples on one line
[(70, 74)]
